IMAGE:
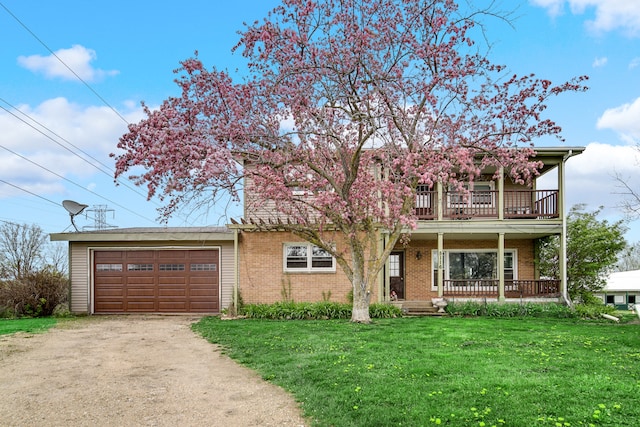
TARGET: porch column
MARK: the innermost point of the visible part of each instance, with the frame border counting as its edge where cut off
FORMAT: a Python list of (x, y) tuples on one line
[(501, 194), (385, 282), (440, 204), (563, 235), (501, 267), (440, 264)]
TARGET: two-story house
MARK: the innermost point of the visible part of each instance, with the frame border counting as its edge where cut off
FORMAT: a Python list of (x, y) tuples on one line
[(477, 244)]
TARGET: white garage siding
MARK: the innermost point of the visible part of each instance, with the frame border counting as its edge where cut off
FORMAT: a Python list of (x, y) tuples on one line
[(79, 279)]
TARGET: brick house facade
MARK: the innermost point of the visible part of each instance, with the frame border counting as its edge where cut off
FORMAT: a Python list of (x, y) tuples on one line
[(486, 244)]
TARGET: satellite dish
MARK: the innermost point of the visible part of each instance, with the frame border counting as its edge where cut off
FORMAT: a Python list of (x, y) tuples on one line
[(74, 208)]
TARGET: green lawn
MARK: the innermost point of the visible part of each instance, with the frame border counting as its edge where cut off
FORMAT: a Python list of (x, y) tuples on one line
[(445, 371), (10, 326)]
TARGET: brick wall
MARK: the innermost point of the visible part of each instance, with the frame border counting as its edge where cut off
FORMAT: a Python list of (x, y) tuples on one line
[(263, 279)]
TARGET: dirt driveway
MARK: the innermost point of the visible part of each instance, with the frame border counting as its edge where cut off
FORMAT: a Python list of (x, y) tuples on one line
[(132, 371)]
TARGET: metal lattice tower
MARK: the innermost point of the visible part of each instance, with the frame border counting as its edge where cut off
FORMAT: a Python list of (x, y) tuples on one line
[(100, 217)]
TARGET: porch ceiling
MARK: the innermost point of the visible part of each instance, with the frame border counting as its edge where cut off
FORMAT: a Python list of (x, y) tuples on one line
[(466, 230)]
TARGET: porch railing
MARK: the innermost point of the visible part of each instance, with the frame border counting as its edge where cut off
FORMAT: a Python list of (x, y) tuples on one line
[(523, 204), (543, 288)]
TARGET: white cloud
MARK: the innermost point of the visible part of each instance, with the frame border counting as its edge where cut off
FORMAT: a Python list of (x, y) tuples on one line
[(78, 58), (624, 119), (600, 62), (590, 180), (609, 15), (93, 130), (554, 7), (635, 62)]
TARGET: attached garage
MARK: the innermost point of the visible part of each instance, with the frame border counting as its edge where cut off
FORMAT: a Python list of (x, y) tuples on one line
[(151, 270)]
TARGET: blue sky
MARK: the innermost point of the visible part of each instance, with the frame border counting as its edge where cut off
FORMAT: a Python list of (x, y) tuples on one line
[(125, 53)]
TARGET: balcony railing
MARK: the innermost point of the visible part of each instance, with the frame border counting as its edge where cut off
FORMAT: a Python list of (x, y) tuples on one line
[(523, 204), (545, 288)]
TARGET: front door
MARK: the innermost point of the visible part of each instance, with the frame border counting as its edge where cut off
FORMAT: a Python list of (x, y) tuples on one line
[(396, 275)]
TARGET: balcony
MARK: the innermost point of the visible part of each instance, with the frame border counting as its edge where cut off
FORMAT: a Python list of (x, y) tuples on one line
[(488, 288), (518, 204)]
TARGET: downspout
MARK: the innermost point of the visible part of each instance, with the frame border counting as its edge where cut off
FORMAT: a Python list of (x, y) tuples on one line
[(563, 243), (385, 285)]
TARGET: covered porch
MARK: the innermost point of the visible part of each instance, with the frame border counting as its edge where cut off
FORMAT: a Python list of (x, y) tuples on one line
[(480, 260)]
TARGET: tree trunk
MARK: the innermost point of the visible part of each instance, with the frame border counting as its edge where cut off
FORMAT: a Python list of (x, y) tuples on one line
[(361, 300), (359, 282)]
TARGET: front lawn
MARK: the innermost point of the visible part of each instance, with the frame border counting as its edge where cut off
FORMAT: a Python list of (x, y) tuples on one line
[(41, 324), (445, 371)]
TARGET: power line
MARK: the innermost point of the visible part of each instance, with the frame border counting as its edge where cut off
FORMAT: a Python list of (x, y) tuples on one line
[(27, 191), (74, 183), (109, 171), (104, 101), (49, 137), (63, 63)]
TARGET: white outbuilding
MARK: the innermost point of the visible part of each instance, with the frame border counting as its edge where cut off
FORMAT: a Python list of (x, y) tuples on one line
[(622, 289)]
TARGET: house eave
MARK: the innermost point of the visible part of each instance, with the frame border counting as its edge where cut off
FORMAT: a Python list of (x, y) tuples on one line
[(165, 234)]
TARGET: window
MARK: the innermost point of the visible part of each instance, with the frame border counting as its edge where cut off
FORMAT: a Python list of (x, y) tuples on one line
[(631, 299), (320, 258), (508, 266), (307, 257), (108, 267), (473, 265), (394, 265), (203, 267), (298, 190), (481, 195), (296, 257), (423, 197), (611, 299), (171, 267), (140, 267)]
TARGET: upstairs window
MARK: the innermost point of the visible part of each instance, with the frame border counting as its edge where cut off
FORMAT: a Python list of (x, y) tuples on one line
[(423, 197), (481, 194)]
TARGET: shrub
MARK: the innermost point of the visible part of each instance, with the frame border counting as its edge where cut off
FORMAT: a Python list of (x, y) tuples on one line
[(465, 308), (593, 311), (36, 295), (494, 309), (323, 310), (384, 311)]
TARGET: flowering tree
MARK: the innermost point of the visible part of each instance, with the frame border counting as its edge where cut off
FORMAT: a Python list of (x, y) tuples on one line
[(348, 106)]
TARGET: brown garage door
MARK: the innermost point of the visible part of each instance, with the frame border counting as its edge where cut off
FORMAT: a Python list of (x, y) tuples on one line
[(161, 281)]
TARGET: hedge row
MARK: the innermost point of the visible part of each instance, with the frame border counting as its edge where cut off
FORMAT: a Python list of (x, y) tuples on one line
[(316, 310), (334, 310), (531, 309)]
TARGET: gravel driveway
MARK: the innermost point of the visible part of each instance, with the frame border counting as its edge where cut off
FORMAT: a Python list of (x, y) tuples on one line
[(132, 371)]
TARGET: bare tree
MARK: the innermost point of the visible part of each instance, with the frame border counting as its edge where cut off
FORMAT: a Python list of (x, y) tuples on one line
[(56, 258), (629, 259), (21, 249), (630, 203)]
